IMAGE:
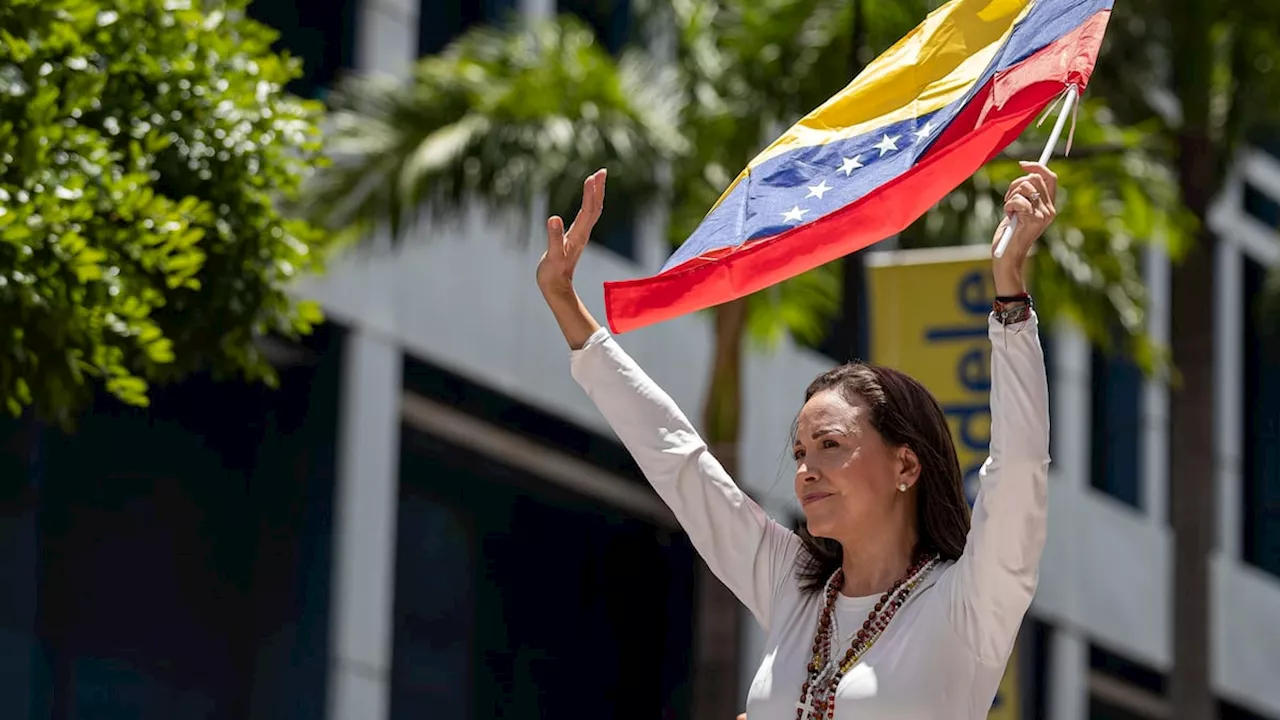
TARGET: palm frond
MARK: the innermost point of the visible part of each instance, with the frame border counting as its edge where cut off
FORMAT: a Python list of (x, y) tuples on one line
[(500, 116), (801, 307)]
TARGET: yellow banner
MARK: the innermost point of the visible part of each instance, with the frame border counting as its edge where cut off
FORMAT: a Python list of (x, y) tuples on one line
[(928, 318)]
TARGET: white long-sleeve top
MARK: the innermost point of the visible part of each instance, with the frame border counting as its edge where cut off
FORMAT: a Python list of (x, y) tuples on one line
[(945, 650)]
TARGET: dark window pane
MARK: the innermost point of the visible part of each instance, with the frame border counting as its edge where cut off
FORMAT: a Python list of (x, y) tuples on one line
[(1102, 710), (611, 19), (1121, 668), (322, 33), (1139, 678), (1116, 427), (432, 654), (1230, 711), (1033, 649), (440, 21), (1261, 407), (616, 229), (536, 580), (184, 563), (1262, 207)]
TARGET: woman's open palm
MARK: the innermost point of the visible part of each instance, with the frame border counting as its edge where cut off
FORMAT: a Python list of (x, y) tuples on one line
[(555, 269)]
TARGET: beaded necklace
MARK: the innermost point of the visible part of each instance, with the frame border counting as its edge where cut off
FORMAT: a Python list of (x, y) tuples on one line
[(818, 694)]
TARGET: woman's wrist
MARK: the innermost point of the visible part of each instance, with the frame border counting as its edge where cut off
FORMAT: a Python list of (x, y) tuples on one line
[(571, 315), (555, 292), (1008, 284), (1012, 309)]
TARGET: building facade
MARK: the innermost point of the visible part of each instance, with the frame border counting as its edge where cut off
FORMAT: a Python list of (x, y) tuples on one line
[(430, 519)]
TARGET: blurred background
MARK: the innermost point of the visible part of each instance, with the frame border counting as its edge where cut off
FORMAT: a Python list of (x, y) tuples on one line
[(290, 434)]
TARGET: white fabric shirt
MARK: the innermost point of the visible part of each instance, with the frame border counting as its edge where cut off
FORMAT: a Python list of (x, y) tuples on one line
[(945, 650)]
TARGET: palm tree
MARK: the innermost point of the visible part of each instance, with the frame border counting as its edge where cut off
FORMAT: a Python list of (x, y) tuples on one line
[(498, 117)]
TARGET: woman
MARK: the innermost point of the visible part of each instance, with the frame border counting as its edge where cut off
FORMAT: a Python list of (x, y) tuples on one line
[(891, 604)]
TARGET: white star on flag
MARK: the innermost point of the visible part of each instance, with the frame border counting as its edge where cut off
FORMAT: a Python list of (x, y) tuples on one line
[(795, 214), (817, 190), (923, 132), (851, 164), (887, 143)]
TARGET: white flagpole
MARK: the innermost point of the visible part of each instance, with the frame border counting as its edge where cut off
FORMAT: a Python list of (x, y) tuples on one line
[(1067, 107)]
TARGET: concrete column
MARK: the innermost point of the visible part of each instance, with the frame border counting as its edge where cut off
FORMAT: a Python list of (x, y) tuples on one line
[(1069, 406), (1229, 379), (538, 9), (1068, 675), (365, 530), (1155, 401), (387, 36)]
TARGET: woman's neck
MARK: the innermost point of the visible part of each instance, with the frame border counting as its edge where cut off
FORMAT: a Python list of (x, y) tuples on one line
[(871, 568)]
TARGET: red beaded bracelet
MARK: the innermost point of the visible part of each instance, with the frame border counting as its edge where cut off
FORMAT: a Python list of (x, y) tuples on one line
[(1011, 309)]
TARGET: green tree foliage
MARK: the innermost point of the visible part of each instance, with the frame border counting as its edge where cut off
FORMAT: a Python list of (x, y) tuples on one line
[(497, 117), (146, 147)]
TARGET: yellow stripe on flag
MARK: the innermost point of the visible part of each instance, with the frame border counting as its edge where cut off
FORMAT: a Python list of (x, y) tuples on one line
[(933, 66)]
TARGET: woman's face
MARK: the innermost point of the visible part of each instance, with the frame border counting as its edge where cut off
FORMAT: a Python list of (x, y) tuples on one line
[(846, 474)]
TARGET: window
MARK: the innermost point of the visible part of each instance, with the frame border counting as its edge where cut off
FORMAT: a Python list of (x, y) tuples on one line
[(433, 611), (1116, 426), (184, 553), (611, 19), (1231, 711), (1261, 206), (1100, 709), (1121, 689), (617, 230), (322, 33), (441, 21), (1269, 142), (1129, 672), (1261, 407), (1034, 666), (504, 583)]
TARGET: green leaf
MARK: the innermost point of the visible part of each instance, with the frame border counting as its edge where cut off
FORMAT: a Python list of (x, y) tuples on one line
[(309, 311), (120, 258), (161, 351)]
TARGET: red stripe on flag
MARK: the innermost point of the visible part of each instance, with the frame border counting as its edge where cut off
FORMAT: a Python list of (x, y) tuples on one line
[(1010, 102)]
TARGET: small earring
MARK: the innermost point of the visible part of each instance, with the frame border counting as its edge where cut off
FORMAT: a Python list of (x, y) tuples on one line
[(902, 487)]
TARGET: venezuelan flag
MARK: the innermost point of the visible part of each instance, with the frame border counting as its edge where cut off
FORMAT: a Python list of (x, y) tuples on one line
[(918, 121)]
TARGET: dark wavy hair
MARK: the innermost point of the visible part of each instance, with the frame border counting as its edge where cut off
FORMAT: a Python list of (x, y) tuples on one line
[(906, 414)]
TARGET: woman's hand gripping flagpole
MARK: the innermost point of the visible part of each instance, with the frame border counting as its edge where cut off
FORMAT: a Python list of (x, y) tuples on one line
[(1068, 106)]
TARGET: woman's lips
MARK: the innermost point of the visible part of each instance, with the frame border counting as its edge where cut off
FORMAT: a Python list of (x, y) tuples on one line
[(813, 497)]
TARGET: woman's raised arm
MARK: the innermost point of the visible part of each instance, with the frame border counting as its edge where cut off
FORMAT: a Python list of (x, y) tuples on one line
[(996, 577), (747, 550)]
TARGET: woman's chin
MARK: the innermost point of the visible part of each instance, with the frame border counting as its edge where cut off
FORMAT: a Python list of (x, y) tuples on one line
[(823, 535), (819, 527)]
